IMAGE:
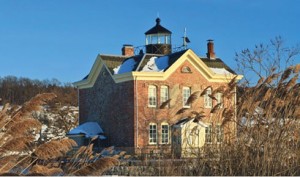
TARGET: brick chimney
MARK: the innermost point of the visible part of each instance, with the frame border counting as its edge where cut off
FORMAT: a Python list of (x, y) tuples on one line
[(127, 50), (210, 49)]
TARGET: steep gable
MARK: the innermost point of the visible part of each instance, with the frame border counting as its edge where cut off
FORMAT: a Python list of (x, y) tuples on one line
[(135, 67)]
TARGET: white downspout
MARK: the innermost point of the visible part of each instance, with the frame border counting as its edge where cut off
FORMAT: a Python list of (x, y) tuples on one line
[(137, 111)]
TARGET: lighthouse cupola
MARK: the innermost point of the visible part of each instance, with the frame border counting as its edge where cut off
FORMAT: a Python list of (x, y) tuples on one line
[(158, 40)]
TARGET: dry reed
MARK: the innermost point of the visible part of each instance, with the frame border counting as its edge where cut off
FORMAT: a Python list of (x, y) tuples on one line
[(193, 97), (96, 168), (40, 169), (53, 149), (18, 136)]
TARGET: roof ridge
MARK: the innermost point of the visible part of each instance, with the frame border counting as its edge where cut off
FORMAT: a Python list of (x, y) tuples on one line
[(139, 65)]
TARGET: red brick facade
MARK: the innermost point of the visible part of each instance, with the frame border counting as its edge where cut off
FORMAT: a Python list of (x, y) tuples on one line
[(122, 108), (175, 83)]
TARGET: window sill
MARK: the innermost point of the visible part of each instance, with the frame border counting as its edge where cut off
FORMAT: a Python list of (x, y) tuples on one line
[(149, 106), (165, 144), (152, 144)]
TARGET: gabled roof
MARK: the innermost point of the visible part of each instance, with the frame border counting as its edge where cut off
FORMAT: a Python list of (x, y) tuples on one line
[(139, 67), (113, 61), (216, 63), (171, 59)]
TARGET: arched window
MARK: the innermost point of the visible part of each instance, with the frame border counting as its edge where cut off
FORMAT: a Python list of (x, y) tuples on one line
[(219, 97), (152, 133), (186, 93), (164, 94), (152, 96), (207, 99), (165, 133)]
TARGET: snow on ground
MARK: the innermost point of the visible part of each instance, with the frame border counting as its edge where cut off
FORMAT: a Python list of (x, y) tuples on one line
[(54, 124), (222, 71)]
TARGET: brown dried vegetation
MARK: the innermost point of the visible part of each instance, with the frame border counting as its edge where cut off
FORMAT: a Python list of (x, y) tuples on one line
[(20, 150)]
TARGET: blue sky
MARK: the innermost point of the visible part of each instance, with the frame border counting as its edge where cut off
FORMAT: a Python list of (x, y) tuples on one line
[(61, 38)]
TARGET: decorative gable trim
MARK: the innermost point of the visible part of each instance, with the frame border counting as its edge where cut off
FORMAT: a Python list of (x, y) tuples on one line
[(189, 56), (93, 75)]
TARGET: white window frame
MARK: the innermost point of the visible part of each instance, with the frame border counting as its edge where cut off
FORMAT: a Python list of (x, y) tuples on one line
[(219, 133), (152, 98), (185, 96), (219, 97), (165, 132), (164, 94), (207, 99), (208, 134), (152, 133)]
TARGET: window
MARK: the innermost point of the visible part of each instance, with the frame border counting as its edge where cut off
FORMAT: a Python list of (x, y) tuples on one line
[(186, 94), (152, 133), (164, 94), (152, 96), (208, 134), (165, 134), (220, 133), (219, 97), (207, 99)]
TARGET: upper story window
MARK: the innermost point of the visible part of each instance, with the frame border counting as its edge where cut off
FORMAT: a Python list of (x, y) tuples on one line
[(164, 94), (152, 133), (207, 99), (208, 134), (152, 96), (219, 97), (186, 93), (165, 133), (220, 133)]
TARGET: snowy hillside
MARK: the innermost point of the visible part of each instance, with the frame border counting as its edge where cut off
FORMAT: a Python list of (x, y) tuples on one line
[(56, 121)]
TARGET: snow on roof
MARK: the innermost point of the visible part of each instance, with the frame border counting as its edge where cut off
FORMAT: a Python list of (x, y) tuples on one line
[(222, 71), (90, 129), (156, 64), (126, 66)]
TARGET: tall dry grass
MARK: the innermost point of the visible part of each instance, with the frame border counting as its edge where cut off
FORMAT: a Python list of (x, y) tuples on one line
[(22, 154), (267, 118), (268, 123)]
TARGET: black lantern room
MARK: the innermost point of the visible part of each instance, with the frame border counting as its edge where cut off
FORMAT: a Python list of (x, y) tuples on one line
[(158, 40)]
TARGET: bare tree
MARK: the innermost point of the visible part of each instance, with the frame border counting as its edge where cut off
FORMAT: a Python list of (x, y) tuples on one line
[(265, 60)]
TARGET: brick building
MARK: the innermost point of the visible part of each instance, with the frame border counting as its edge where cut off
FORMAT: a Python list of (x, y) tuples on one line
[(137, 98)]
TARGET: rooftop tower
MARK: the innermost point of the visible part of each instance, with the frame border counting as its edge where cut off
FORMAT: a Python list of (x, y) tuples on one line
[(158, 40)]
